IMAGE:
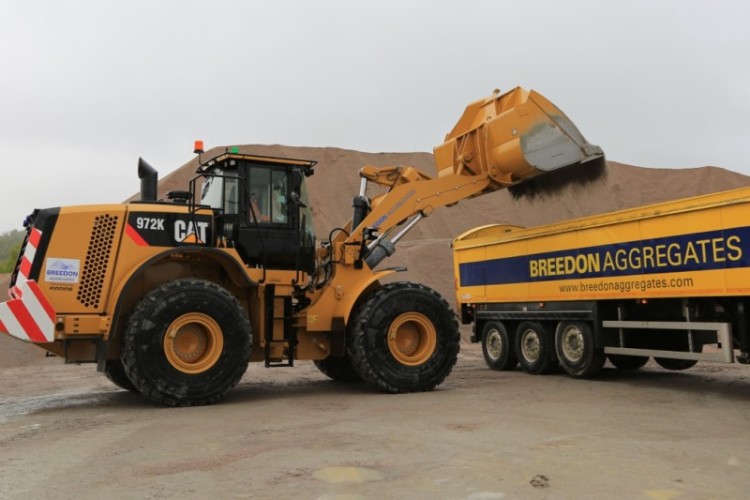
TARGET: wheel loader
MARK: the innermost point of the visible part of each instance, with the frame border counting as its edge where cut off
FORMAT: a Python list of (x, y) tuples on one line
[(173, 298)]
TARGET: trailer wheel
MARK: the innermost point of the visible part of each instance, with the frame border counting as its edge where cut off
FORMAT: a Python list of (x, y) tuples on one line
[(574, 342), (676, 364), (115, 372), (622, 362), (497, 347), (535, 348), (187, 343), (338, 368), (404, 338)]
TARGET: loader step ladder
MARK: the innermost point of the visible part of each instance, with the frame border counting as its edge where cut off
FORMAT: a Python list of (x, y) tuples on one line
[(290, 335)]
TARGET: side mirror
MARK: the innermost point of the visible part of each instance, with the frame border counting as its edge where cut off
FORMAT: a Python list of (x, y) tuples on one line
[(296, 179), (295, 198)]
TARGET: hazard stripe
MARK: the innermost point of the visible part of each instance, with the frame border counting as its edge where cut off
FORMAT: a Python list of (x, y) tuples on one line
[(25, 268), (10, 324), (137, 238), (27, 323), (21, 279), (34, 237), (29, 315), (3, 329), (29, 253), (40, 301)]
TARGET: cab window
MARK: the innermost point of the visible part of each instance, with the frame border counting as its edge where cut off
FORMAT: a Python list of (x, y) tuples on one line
[(268, 195)]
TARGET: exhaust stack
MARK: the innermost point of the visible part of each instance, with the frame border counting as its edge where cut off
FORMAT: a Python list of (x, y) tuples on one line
[(149, 179)]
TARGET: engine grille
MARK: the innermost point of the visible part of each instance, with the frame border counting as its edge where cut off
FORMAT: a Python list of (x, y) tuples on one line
[(97, 260)]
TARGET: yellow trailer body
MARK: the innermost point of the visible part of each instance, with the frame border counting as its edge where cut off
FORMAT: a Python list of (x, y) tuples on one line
[(689, 247), (674, 262)]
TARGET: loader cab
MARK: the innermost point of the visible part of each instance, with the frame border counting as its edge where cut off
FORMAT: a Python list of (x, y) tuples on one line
[(263, 209)]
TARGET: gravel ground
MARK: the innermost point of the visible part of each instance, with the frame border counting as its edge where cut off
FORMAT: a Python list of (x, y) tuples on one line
[(68, 433)]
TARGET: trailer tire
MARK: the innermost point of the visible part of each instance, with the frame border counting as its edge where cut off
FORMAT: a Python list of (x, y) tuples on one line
[(338, 368), (497, 347), (115, 372), (186, 343), (535, 348), (675, 364), (622, 362), (404, 338), (576, 349)]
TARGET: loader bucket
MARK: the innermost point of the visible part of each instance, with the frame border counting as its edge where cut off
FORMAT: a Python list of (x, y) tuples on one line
[(519, 139)]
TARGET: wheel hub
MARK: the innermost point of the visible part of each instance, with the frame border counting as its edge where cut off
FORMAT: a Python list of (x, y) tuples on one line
[(494, 344), (412, 338), (572, 343), (530, 345), (193, 343), (189, 342)]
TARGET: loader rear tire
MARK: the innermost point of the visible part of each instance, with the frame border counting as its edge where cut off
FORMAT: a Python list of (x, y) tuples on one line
[(187, 343), (404, 338), (338, 368), (497, 347), (115, 372)]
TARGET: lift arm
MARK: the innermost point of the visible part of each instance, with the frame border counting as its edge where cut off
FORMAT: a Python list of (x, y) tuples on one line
[(503, 141)]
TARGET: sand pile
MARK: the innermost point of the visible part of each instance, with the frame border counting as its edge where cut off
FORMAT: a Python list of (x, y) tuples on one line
[(336, 181), (426, 251)]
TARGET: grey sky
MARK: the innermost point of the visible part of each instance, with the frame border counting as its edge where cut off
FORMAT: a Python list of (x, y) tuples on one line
[(86, 87)]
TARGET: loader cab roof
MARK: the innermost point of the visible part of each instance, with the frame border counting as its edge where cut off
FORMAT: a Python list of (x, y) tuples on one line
[(231, 159)]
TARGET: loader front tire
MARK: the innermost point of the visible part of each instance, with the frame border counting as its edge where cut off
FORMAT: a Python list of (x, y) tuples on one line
[(187, 343), (404, 338)]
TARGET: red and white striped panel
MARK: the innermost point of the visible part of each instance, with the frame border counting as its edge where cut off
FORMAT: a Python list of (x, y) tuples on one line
[(28, 315), (27, 259)]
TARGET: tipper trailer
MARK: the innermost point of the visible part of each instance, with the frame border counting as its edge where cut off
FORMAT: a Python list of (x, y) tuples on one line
[(669, 281)]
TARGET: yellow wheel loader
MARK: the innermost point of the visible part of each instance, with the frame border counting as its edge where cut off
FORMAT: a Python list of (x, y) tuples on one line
[(173, 298)]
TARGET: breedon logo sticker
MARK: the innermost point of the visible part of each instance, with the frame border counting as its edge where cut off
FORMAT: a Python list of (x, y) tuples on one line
[(62, 270)]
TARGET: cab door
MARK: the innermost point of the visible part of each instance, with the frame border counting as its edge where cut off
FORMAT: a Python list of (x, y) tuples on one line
[(270, 233)]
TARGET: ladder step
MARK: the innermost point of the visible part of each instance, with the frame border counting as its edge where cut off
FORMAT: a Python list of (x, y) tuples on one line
[(289, 334)]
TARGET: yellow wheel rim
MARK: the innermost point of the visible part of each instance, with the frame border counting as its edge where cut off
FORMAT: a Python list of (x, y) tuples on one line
[(412, 338), (193, 343)]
